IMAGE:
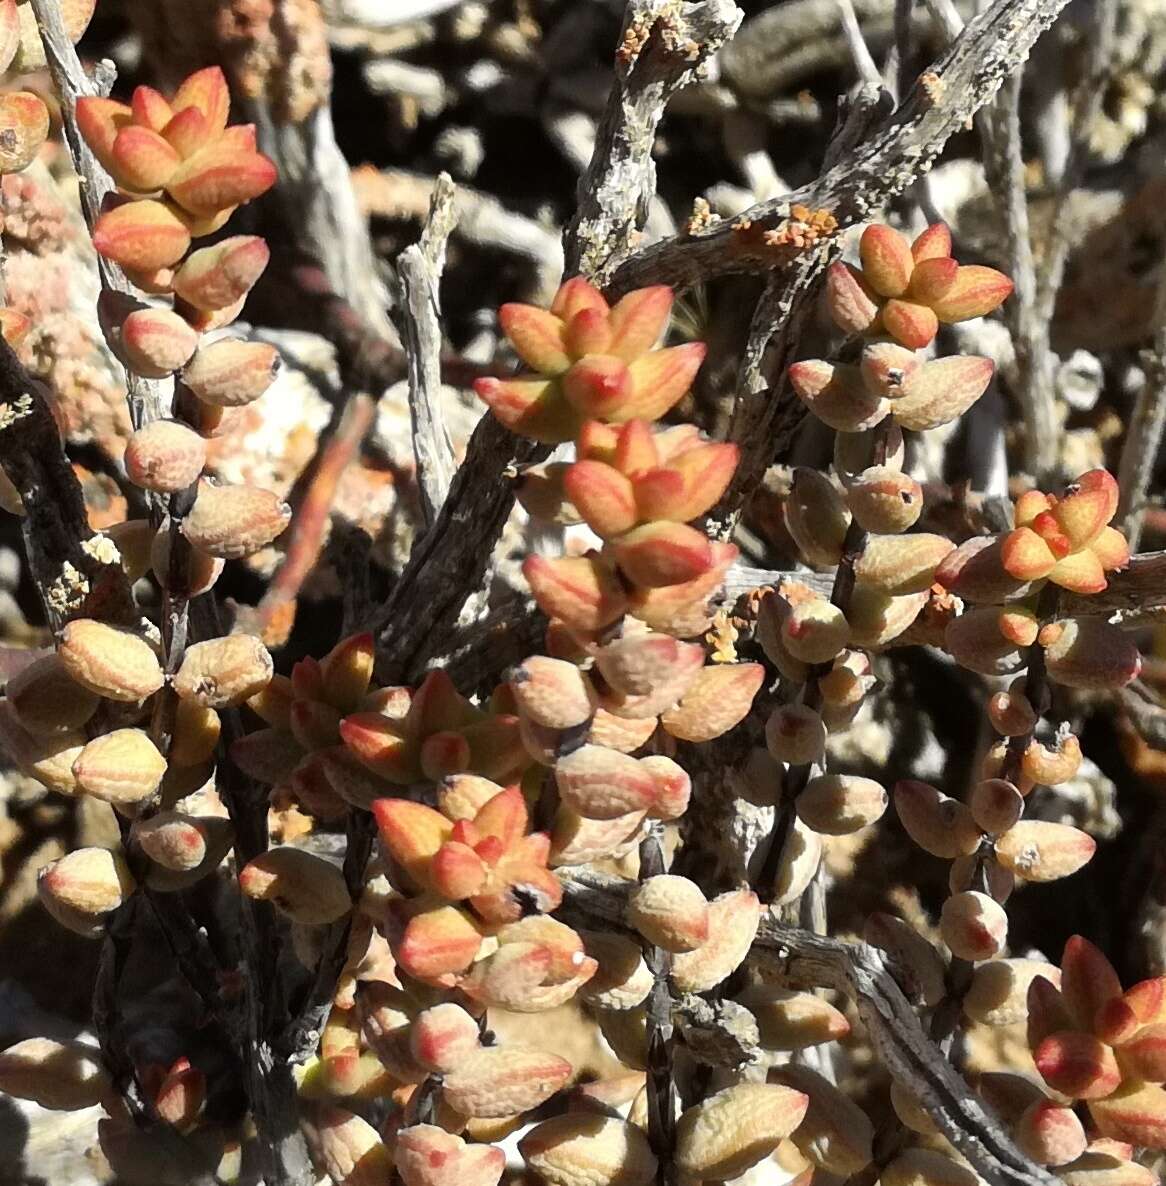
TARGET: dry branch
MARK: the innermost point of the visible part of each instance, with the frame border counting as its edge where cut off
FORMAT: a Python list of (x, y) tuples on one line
[(801, 959), (73, 572), (662, 47), (419, 271), (964, 79), (148, 399)]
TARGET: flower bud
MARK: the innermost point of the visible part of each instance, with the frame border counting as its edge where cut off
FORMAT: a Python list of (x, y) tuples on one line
[(47, 700), (835, 1134), (223, 672), (24, 127), (622, 980), (838, 804), (235, 521), (795, 734), (216, 277), (172, 840), (578, 1149), (304, 887), (899, 564), (123, 767), (816, 517), (731, 1131), (1089, 653), (815, 631), (733, 919), (602, 784), (1077, 1065), (885, 500), (837, 395), (910, 1111), (164, 456), (60, 1076), (973, 925), (1052, 766), (996, 805), (108, 661), (926, 1167), (427, 1155), (231, 373), (942, 390), (1038, 850), (670, 912), (998, 993), (801, 853), (157, 342), (716, 701), (143, 236), (849, 299), (940, 825), (553, 693), (503, 1080)]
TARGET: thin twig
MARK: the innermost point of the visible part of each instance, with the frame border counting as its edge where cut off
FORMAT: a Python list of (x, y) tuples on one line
[(1143, 436), (312, 503), (148, 399), (1091, 92), (419, 270), (960, 83), (864, 64), (801, 959), (270, 1085), (662, 45), (661, 1110), (1004, 168)]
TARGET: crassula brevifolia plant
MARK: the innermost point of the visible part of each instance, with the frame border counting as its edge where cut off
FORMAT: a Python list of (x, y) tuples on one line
[(519, 847)]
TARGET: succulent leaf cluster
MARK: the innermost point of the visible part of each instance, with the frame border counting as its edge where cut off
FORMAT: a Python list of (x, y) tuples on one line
[(480, 803)]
